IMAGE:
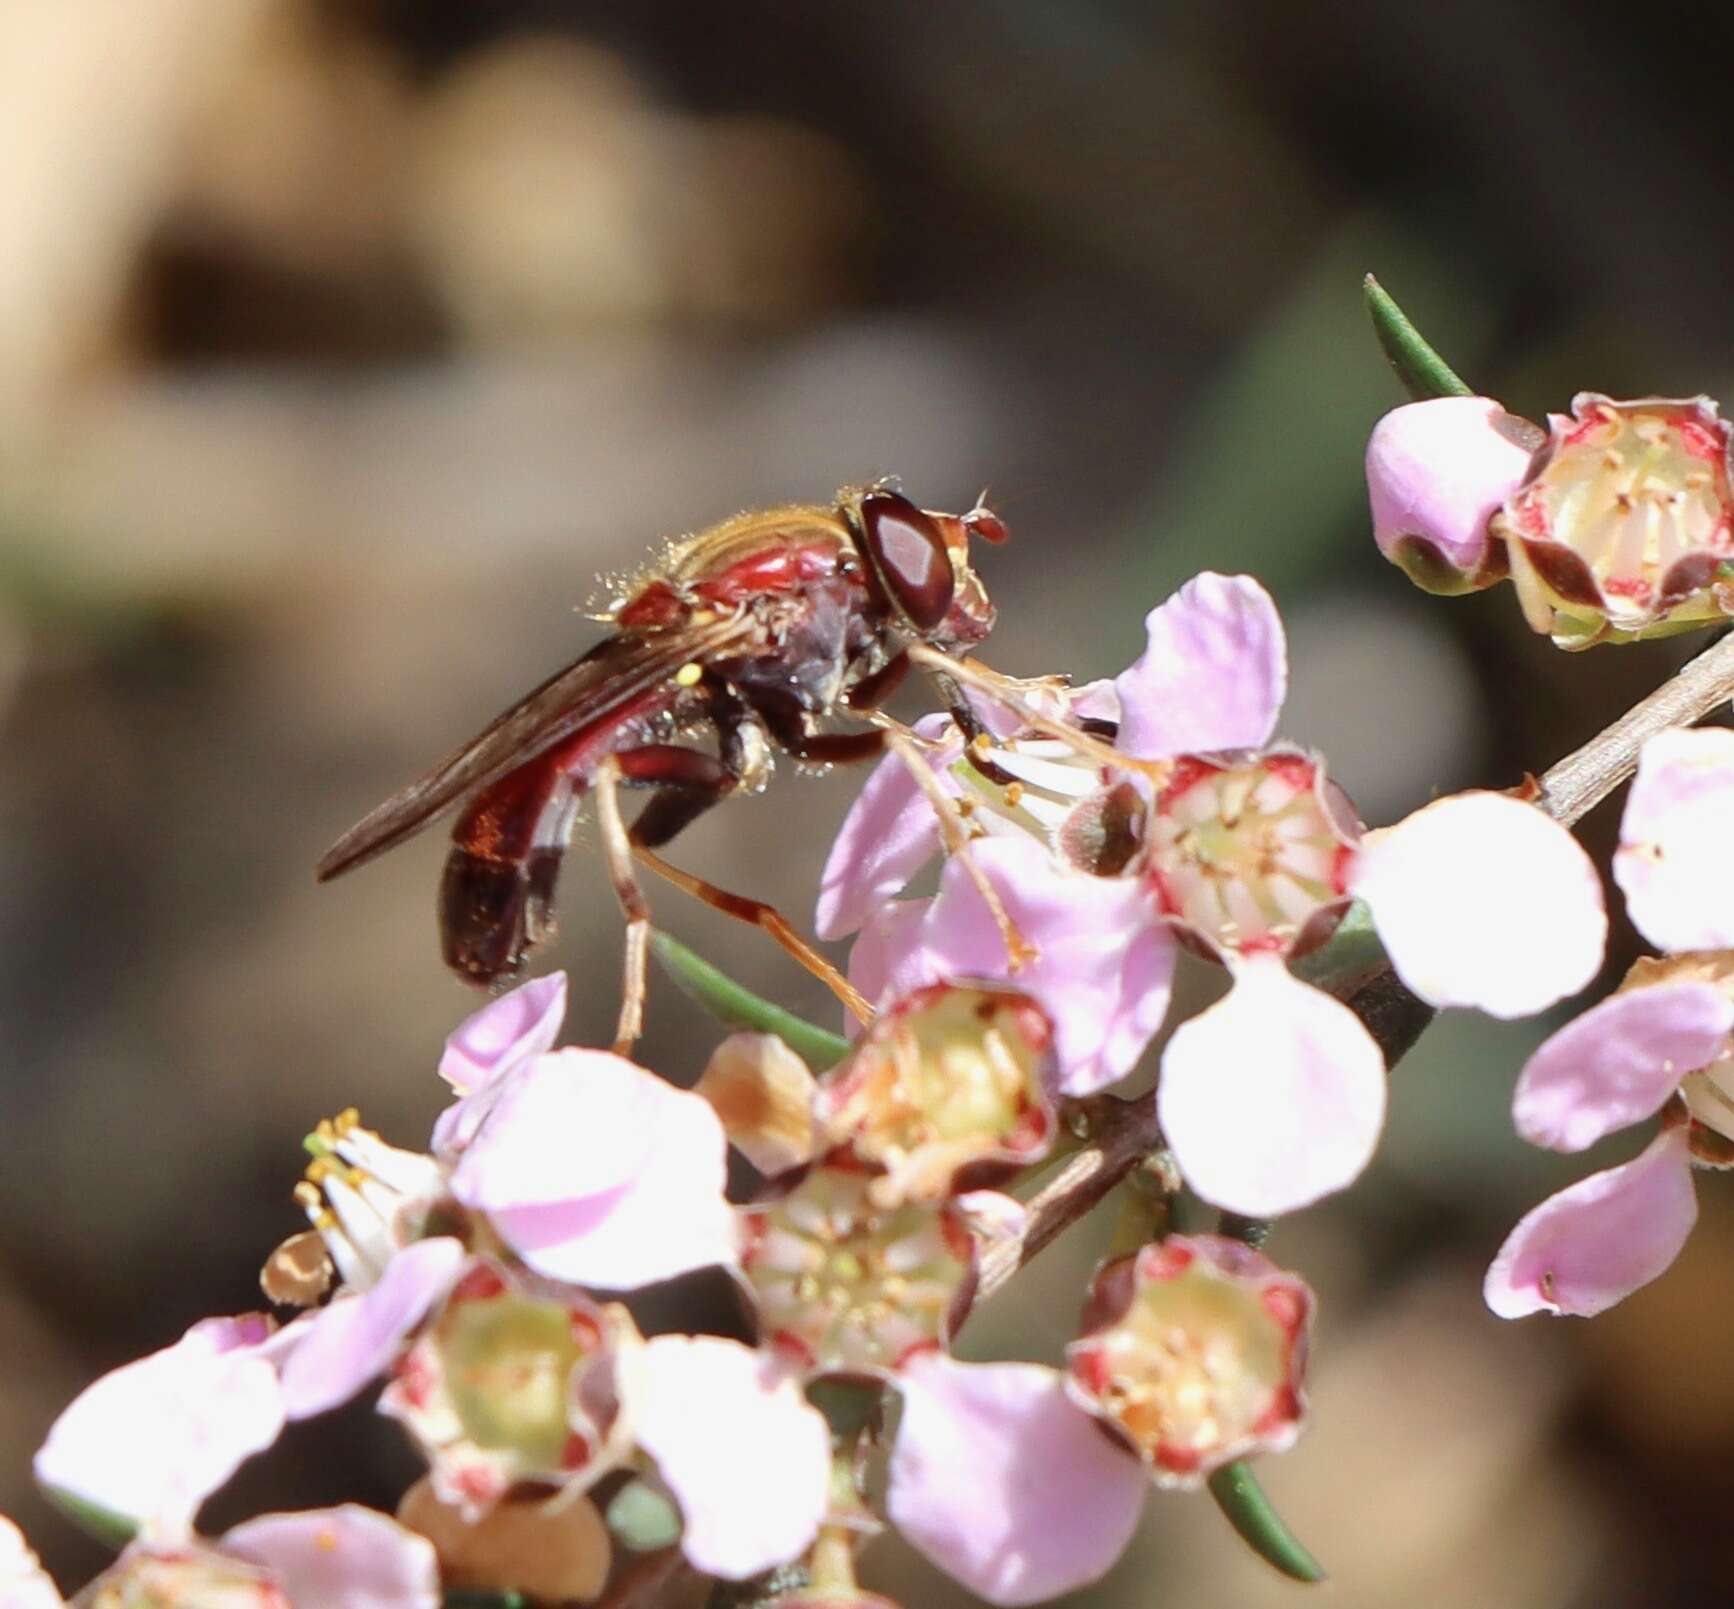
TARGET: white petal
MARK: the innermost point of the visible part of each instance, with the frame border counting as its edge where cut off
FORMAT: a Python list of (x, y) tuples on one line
[(1673, 862), (745, 1454), (1481, 900), (1273, 1097)]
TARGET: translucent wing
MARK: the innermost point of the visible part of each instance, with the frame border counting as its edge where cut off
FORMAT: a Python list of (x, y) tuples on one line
[(612, 676)]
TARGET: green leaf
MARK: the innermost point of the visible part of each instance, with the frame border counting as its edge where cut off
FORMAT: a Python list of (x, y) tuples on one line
[(1249, 1511), (642, 1519), (720, 995), (1348, 958), (1423, 372), (111, 1529), (480, 1598)]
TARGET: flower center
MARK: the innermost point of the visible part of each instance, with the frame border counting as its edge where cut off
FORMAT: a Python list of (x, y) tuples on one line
[(1247, 853), (1631, 489), (850, 1286), (948, 1076), (508, 1365)]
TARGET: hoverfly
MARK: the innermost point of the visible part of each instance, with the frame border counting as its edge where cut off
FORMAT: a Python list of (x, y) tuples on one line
[(755, 632)]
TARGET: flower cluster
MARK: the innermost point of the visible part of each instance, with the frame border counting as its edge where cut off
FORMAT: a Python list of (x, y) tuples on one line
[(1214, 837), (1089, 838)]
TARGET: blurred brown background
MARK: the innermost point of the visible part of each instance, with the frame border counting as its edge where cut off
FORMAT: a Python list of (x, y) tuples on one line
[(343, 345)]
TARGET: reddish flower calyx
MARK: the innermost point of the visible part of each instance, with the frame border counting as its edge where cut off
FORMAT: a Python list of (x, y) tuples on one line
[(947, 1090), (1194, 1353), (845, 1286), (510, 1387), (1625, 523)]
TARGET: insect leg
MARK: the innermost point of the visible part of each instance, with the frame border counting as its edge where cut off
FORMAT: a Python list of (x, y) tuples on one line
[(1008, 691), (618, 849), (1019, 951)]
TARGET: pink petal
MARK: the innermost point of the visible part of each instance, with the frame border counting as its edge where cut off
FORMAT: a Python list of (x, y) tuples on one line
[(1595, 1243), (667, 1219), (1213, 674), (342, 1558), (1105, 960), (523, 1023), (1273, 1097), (745, 1454), (1673, 862), (152, 1440), (573, 1123), (1437, 471), (1482, 901), (889, 834), (1618, 1063), (887, 960), (1005, 1483), (352, 1341)]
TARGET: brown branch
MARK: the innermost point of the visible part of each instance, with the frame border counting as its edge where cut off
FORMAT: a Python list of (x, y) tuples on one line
[(1394, 1015), (1580, 781)]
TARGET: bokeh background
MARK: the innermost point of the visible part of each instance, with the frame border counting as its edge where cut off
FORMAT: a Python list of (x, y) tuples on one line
[(344, 345)]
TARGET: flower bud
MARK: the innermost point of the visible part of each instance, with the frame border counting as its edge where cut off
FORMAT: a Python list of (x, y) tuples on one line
[(947, 1090), (844, 1285), (509, 1386), (555, 1549), (1626, 522), (1437, 471), (1250, 854), (1194, 1352), (763, 1093)]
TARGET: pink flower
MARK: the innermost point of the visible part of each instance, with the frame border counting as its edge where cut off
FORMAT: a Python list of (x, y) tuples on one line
[(1661, 1041), (1275, 1096), (1024, 1482), (1614, 524), (595, 1171), (521, 1386)]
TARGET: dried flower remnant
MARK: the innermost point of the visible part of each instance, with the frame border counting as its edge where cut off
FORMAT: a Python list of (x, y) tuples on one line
[(1194, 1350)]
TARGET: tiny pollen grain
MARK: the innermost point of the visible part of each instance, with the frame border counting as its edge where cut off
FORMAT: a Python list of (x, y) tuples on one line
[(689, 675)]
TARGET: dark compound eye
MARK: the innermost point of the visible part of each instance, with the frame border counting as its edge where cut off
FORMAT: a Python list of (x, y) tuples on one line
[(909, 556)]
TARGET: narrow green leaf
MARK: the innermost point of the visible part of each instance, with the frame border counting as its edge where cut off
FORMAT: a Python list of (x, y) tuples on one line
[(480, 1598), (1348, 958), (720, 995), (111, 1529), (1423, 372), (1249, 1511)]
